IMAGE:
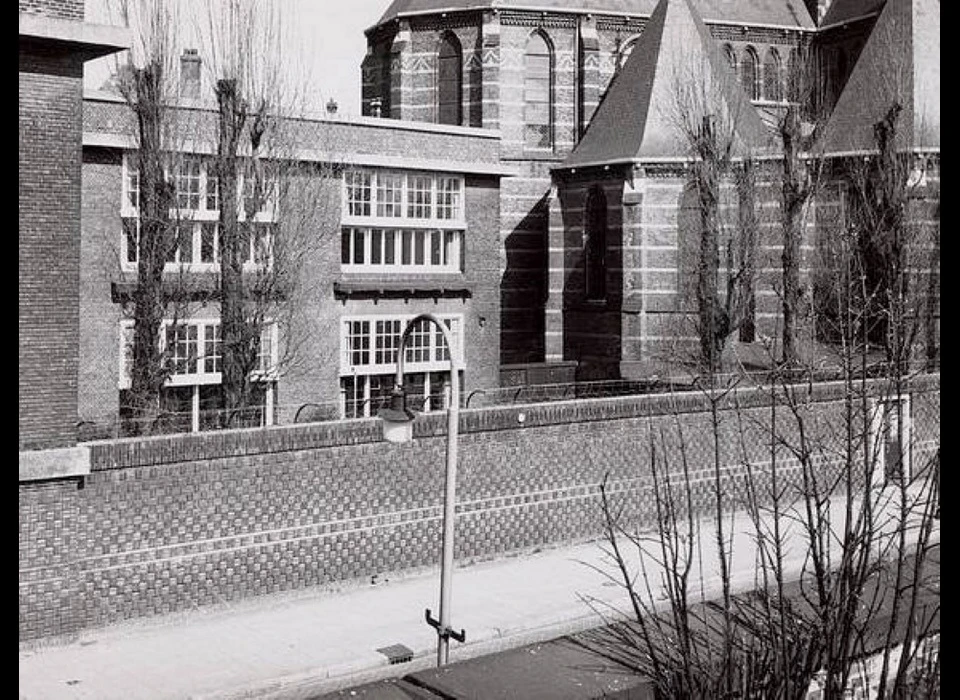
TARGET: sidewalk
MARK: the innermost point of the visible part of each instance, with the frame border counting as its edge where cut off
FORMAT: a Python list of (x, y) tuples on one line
[(305, 644)]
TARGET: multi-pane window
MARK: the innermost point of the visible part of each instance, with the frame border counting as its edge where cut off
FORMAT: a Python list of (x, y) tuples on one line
[(188, 183), (193, 351), (420, 197), (359, 192), (409, 222), (400, 250), (773, 77), (370, 344), (448, 197), (537, 93), (131, 183), (369, 362), (181, 345), (750, 73), (191, 396), (212, 348), (390, 195), (196, 211)]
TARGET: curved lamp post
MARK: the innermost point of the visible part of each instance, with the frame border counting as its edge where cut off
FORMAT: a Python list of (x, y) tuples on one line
[(398, 427)]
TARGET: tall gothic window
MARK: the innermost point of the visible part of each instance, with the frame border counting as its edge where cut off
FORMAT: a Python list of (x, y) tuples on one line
[(772, 77), (750, 73), (537, 93), (595, 244), (449, 81), (731, 55)]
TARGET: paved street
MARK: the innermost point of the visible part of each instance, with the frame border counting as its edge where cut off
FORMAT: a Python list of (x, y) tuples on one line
[(316, 642)]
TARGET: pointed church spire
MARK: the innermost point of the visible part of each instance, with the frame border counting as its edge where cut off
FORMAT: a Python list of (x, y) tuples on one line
[(674, 78), (900, 63)]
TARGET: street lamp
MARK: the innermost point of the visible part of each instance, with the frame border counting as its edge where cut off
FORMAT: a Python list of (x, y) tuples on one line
[(398, 427)]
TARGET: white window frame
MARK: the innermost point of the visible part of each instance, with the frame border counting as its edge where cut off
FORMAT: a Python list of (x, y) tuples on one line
[(433, 365), (200, 376), (458, 220), (879, 440), (363, 238), (194, 219)]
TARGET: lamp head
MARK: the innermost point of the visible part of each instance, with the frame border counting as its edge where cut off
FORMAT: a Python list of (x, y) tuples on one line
[(398, 419)]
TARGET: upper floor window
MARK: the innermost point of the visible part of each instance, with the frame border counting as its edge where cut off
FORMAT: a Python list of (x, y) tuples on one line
[(449, 81), (188, 182), (197, 243), (393, 197), (750, 73), (773, 77), (197, 191), (537, 93)]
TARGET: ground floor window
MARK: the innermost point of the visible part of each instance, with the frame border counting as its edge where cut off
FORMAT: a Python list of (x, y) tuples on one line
[(368, 365), (191, 399), (361, 396)]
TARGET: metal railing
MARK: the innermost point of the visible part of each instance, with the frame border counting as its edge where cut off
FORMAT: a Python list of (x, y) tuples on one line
[(117, 425)]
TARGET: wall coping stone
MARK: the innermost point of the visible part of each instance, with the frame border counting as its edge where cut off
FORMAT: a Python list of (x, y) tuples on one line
[(126, 453), (56, 463)]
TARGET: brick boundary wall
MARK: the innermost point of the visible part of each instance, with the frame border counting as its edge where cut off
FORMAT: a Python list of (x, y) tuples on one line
[(176, 522)]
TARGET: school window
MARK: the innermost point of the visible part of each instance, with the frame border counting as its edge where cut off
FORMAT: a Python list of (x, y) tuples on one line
[(131, 184), (369, 363), (195, 239), (358, 192), (193, 356), (419, 197), (409, 222)]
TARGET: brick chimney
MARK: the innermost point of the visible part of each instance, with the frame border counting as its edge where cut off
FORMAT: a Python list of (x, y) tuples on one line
[(190, 74)]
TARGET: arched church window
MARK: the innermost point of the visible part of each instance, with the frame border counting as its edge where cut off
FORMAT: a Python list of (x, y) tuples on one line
[(595, 244), (750, 73), (449, 81), (730, 54), (538, 93), (772, 77)]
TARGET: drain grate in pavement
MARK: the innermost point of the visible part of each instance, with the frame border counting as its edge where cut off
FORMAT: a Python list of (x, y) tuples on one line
[(397, 653)]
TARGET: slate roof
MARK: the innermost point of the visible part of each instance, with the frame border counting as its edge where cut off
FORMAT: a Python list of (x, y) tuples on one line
[(674, 74), (900, 62), (788, 13), (840, 11)]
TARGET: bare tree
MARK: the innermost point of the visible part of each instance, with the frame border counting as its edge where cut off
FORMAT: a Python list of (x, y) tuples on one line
[(145, 82), (848, 481), (257, 171), (710, 125)]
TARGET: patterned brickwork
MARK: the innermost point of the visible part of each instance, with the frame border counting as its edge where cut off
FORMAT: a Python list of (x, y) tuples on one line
[(60, 9), (175, 522)]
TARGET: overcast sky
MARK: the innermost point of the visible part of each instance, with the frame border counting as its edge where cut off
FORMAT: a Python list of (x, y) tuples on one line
[(328, 35)]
